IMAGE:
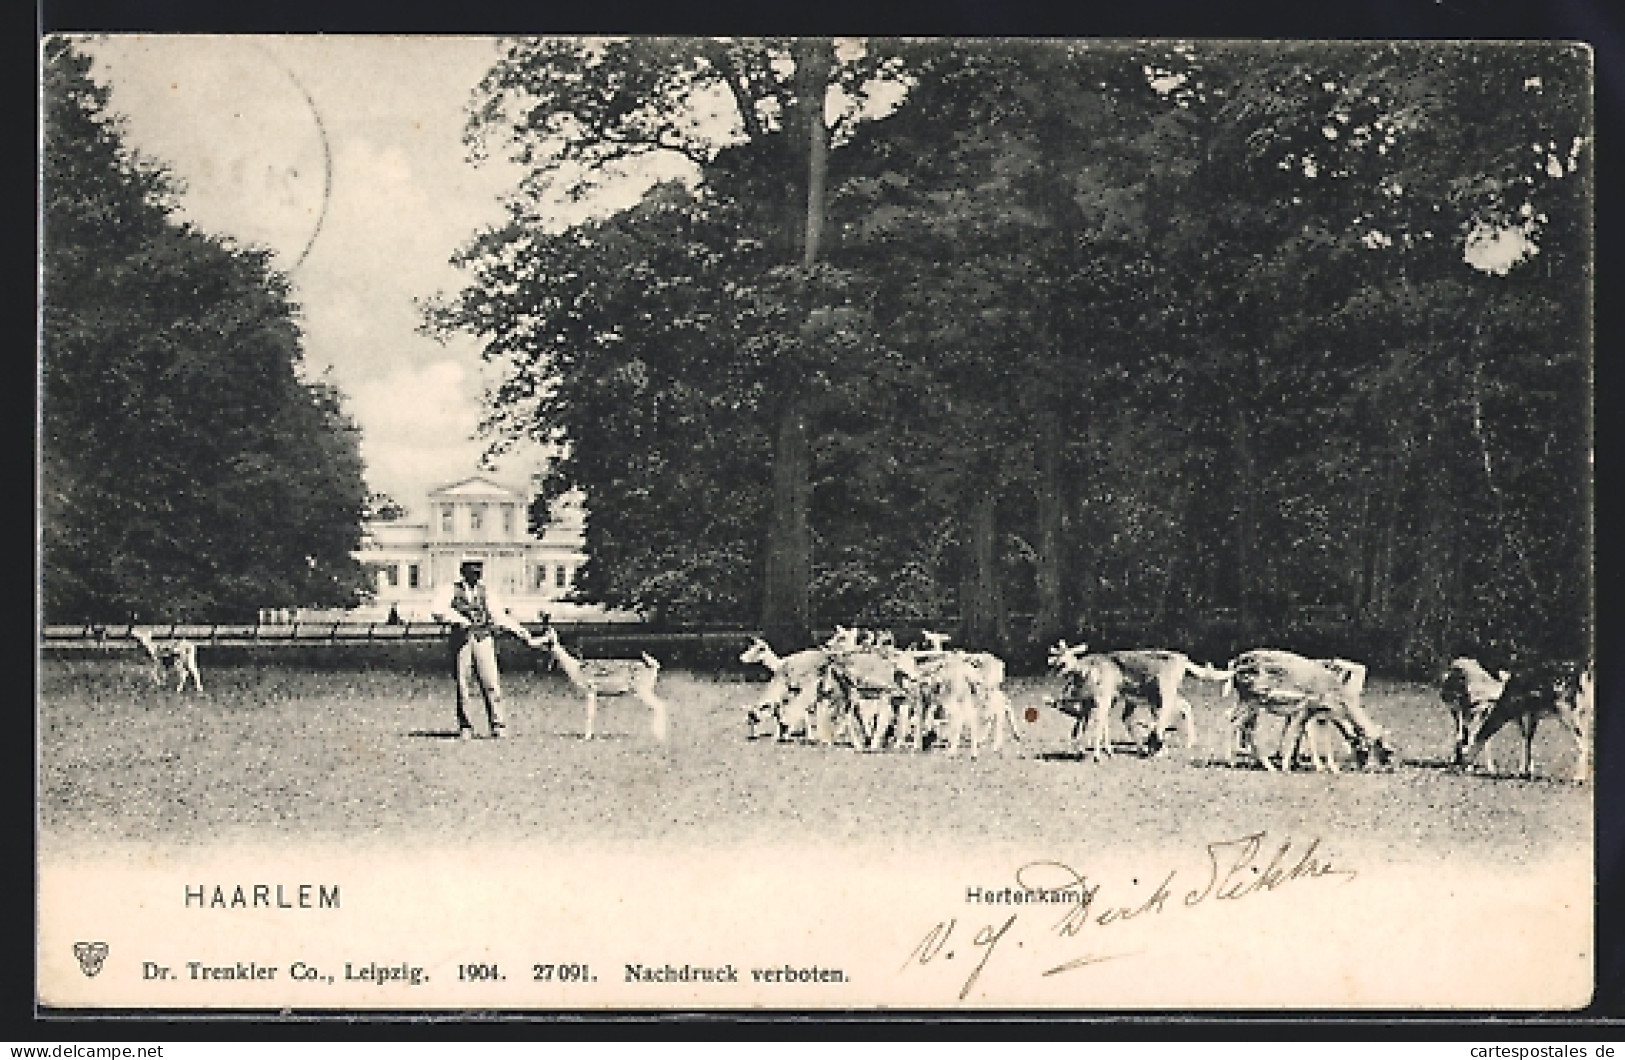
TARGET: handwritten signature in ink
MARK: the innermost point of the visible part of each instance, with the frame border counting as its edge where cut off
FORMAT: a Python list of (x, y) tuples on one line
[(1236, 869)]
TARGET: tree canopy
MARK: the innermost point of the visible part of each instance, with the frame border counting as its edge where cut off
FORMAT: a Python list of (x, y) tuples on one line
[(188, 471), (1215, 334)]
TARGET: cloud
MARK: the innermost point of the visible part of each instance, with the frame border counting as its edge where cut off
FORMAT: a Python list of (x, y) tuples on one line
[(376, 184), (432, 398), (417, 426), (417, 431)]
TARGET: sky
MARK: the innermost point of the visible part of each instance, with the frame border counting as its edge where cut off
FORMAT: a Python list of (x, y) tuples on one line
[(250, 126)]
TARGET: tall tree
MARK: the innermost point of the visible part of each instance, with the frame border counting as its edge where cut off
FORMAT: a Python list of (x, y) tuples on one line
[(188, 471), (578, 112), (621, 349), (993, 209), (786, 616)]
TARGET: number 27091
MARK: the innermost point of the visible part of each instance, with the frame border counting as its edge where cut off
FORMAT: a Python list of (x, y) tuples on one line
[(562, 973)]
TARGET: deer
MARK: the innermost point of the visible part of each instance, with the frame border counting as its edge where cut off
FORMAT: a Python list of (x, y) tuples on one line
[(986, 677), (178, 656), (792, 693), (1560, 689), (1148, 676), (1304, 691), (610, 677), (1470, 691), (1305, 717)]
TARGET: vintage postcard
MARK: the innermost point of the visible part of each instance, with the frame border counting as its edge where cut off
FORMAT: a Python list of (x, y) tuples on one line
[(557, 524)]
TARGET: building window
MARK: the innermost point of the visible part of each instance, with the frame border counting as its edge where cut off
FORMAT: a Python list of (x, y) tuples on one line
[(392, 575), (446, 525), (413, 577), (507, 520), (561, 576), (541, 576), (476, 517)]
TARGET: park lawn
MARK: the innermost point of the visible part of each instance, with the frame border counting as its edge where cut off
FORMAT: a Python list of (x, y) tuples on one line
[(269, 753)]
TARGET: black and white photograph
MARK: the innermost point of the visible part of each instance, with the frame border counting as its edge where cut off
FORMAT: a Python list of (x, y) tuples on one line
[(724, 524)]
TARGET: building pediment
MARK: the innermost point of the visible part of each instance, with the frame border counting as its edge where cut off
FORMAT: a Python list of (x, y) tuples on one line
[(476, 487)]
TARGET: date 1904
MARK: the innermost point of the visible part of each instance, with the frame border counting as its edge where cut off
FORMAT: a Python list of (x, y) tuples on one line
[(539, 973)]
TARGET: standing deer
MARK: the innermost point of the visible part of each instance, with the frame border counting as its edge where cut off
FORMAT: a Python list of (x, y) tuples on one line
[(610, 677), (791, 695)]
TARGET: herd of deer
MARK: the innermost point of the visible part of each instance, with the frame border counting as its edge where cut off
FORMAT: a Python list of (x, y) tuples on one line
[(860, 687)]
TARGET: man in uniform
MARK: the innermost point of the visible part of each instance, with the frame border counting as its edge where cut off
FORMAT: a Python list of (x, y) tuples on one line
[(475, 614)]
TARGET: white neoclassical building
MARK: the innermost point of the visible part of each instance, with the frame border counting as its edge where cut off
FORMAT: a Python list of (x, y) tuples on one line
[(477, 517)]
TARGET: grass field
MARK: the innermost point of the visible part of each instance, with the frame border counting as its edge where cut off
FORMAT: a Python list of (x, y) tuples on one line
[(273, 753)]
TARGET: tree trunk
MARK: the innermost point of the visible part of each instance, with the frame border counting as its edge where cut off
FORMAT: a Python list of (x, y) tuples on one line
[(1429, 589), (1380, 530), (1172, 617), (1503, 513), (1360, 573), (813, 61), (983, 623), (1382, 589), (1458, 604), (786, 619), (1050, 622), (1246, 521)]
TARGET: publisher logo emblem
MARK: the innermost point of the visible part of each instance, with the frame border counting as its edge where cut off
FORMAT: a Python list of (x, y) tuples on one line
[(91, 955)]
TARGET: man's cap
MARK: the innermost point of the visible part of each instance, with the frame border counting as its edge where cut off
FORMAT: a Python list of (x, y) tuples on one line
[(471, 561)]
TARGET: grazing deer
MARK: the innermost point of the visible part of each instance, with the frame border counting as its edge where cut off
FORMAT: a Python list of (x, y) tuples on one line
[(1089, 690), (1303, 692), (1312, 720), (611, 677), (1557, 689), (178, 656), (874, 692), (950, 689), (1470, 691)]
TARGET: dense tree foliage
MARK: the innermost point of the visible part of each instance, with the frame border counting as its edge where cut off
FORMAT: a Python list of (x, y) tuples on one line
[(187, 471), (579, 112), (1222, 336)]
